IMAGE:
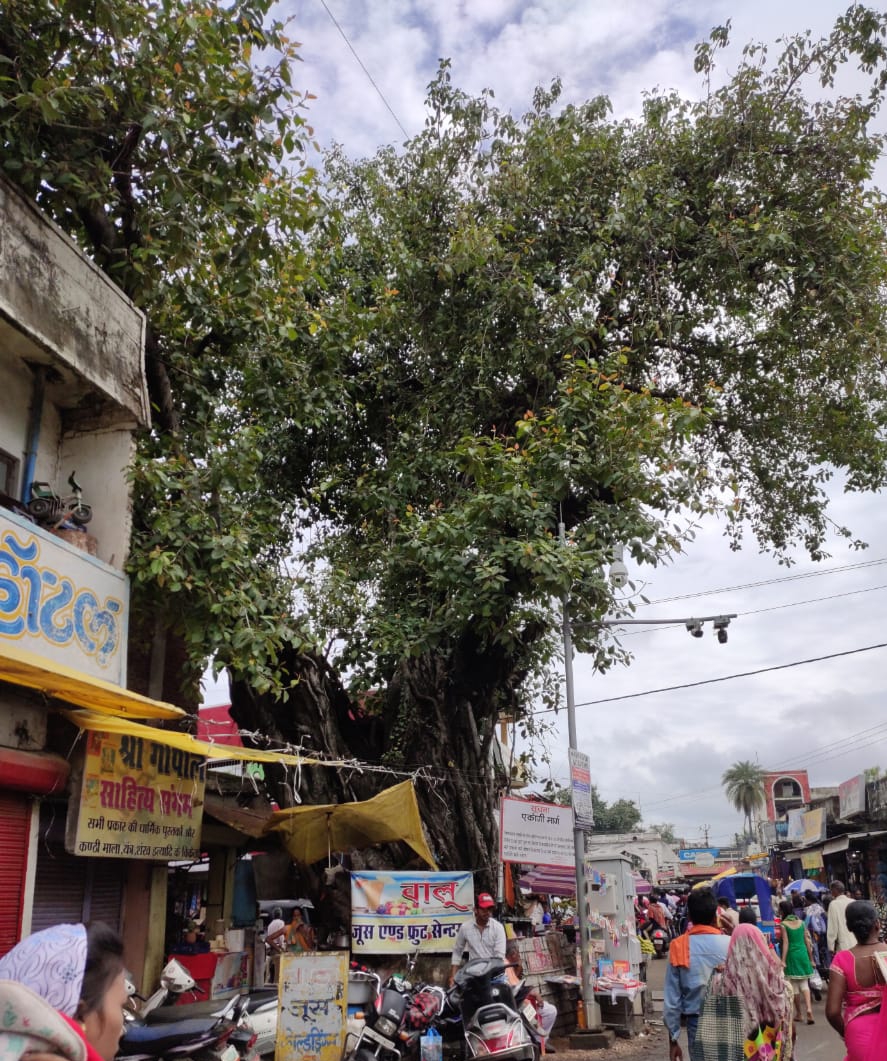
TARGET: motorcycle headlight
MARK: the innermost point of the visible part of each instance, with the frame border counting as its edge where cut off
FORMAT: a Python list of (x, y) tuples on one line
[(385, 1026)]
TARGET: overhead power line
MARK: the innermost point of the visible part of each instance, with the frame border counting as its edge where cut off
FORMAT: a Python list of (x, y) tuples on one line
[(770, 581), (723, 678), (368, 74)]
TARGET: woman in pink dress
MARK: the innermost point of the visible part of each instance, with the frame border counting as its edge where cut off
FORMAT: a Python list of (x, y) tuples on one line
[(855, 1006)]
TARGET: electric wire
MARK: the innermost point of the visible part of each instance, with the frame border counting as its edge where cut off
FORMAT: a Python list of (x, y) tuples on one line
[(721, 678), (761, 611), (368, 74), (769, 582)]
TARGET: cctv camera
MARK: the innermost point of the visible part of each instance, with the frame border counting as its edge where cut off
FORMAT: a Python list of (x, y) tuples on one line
[(721, 629), (618, 574), (695, 627)]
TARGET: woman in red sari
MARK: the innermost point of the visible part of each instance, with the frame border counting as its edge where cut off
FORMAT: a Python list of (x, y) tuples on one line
[(855, 1006)]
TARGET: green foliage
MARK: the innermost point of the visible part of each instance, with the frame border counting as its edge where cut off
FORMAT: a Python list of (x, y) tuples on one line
[(744, 787), (620, 816), (666, 832), (617, 324), (165, 137)]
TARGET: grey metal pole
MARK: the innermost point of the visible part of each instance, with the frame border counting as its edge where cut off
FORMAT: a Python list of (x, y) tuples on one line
[(592, 1010)]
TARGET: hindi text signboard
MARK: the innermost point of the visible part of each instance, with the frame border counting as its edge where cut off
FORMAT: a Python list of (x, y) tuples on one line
[(312, 1007), (138, 799), (580, 787), (536, 834), (401, 912)]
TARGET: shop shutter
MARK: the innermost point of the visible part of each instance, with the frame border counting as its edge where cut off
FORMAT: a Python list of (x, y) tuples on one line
[(69, 889), (15, 827), (59, 889)]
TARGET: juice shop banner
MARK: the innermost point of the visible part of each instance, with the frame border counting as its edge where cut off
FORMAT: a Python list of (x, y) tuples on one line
[(139, 799), (311, 1010), (397, 913), (536, 834), (60, 602)]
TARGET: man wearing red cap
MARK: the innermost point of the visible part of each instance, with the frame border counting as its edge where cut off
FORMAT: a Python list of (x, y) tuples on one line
[(482, 937)]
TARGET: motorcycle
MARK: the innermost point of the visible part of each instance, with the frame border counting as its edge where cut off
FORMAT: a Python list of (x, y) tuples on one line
[(255, 1013), (492, 1022), (204, 1038), (393, 1026)]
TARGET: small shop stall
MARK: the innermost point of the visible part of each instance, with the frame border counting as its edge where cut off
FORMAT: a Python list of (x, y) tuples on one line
[(614, 949)]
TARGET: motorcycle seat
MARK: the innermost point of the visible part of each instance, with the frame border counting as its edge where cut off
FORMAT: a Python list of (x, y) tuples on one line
[(188, 1011), (141, 1038), (257, 999)]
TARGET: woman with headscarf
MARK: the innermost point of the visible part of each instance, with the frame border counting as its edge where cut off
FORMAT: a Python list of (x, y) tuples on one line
[(855, 1004), (753, 974), (80, 974)]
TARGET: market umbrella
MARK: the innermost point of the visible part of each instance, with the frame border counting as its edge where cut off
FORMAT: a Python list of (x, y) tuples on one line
[(805, 885)]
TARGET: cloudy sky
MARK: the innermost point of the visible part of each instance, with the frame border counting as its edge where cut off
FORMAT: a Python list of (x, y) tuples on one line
[(666, 750)]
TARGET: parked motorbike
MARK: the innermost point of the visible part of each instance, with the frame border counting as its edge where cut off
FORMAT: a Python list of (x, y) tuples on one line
[(394, 1025), (493, 1024), (203, 1038), (254, 1012)]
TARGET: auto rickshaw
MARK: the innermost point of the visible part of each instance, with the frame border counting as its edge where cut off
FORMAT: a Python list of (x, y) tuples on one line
[(748, 889)]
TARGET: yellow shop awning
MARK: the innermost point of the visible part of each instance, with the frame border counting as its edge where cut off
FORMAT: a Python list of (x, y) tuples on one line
[(310, 833), (60, 682), (184, 741)]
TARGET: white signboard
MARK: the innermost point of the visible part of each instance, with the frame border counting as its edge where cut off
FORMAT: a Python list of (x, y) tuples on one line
[(61, 603), (536, 834), (580, 786), (851, 796), (705, 858)]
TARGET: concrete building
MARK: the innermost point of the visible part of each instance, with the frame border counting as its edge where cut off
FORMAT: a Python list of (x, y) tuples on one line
[(73, 395)]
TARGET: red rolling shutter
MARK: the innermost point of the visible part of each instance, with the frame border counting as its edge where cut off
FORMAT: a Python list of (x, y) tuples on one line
[(15, 828)]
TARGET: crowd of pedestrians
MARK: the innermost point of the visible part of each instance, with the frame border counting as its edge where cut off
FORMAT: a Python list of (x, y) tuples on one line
[(742, 999)]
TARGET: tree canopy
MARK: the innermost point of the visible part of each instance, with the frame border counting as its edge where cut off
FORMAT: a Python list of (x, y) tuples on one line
[(507, 325), (166, 136)]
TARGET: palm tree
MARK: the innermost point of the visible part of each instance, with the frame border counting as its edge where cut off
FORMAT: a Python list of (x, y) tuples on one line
[(744, 787)]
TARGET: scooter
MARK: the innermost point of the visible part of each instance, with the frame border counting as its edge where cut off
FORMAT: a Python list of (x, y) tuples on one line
[(493, 1023), (660, 939), (255, 1013)]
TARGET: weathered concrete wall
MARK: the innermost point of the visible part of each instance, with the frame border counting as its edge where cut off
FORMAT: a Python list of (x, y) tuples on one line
[(65, 309), (100, 459)]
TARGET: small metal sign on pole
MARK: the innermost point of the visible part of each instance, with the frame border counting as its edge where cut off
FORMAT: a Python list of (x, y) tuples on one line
[(580, 788)]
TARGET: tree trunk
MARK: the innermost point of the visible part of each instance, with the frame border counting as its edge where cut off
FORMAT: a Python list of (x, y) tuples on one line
[(435, 720)]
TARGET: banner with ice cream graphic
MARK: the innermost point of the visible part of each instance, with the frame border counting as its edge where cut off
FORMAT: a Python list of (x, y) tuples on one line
[(399, 913)]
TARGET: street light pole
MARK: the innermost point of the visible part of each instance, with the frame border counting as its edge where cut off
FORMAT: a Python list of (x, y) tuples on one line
[(592, 1010)]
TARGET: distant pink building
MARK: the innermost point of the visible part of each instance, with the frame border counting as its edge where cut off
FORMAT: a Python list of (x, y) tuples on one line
[(784, 790)]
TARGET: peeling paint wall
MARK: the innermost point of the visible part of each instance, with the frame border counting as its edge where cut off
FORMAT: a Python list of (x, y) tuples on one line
[(68, 312)]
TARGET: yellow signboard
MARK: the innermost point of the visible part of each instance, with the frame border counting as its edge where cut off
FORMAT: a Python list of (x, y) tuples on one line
[(139, 799), (311, 1013)]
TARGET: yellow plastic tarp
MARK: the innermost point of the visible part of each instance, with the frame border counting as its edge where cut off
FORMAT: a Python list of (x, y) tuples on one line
[(61, 682), (310, 833), (187, 743)]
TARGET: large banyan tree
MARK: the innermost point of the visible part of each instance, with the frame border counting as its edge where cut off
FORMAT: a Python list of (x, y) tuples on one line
[(377, 404)]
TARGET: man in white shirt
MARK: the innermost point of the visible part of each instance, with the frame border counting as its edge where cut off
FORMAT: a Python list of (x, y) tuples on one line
[(838, 935), (482, 937)]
